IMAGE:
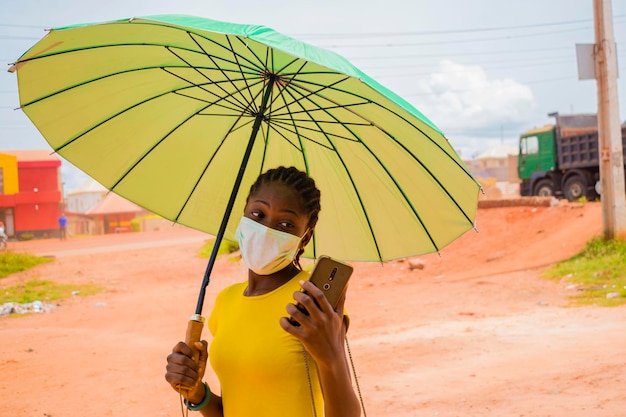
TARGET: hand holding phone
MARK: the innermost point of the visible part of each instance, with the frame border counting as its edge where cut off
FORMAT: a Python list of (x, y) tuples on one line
[(331, 276)]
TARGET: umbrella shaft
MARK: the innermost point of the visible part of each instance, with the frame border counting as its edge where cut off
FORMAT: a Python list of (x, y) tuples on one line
[(233, 196)]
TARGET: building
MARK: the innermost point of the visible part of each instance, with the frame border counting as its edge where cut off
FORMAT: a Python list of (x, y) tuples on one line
[(114, 214), (496, 170), (85, 197), (30, 193)]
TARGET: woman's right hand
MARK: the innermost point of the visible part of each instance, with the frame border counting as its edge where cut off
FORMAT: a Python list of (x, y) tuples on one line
[(184, 374)]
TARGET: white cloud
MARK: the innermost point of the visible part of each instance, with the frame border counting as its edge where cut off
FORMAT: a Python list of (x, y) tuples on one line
[(474, 111), (463, 98)]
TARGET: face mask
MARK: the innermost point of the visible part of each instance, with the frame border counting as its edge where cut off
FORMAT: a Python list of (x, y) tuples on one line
[(265, 250)]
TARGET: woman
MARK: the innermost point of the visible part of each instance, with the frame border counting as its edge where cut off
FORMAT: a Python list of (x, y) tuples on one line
[(266, 365)]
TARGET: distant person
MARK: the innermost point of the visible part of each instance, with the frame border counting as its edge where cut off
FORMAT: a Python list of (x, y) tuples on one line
[(3, 235), (62, 227)]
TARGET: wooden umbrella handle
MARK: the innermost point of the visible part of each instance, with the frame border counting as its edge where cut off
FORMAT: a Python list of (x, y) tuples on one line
[(194, 334)]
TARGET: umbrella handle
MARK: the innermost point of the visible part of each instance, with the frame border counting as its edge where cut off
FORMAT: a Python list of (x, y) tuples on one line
[(194, 334)]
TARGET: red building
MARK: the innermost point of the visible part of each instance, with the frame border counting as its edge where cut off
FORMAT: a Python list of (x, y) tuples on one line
[(30, 193)]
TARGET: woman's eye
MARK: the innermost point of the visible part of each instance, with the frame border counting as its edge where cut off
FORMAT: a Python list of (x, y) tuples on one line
[(285, 225), (256, 214)]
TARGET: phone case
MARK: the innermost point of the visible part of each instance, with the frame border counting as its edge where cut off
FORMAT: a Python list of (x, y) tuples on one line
[(331, 276)]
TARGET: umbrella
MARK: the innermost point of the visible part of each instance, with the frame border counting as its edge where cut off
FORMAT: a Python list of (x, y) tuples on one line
[(178, 113)]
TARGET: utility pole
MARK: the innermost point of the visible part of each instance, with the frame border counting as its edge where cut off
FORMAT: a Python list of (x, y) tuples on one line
[(609, 129)]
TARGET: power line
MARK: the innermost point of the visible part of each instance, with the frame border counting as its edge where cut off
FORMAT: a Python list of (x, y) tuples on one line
[(21, 38), (13, 25), (446, 32), (449, 42)]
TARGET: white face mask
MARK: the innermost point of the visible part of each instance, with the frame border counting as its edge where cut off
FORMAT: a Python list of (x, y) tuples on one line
[(265, 250)]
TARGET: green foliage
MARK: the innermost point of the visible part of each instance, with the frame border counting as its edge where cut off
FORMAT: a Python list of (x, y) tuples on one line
[(43, 291), (598, 270), (11, 262), (226, 247), (135, 224)]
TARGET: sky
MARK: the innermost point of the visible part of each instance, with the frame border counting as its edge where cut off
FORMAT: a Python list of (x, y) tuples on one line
[(483, 71)]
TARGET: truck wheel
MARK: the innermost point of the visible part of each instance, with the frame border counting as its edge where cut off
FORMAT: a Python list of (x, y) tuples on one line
[(575, 188), (544, 188)]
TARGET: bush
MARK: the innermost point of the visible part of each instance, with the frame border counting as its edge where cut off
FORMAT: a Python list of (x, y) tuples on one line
[(226, 247)]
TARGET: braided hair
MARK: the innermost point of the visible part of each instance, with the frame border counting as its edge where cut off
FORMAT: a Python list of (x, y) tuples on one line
[(303, 185)]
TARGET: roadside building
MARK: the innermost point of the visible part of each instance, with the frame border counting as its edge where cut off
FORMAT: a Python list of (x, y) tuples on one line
[(30, 193), (85, 197), (113, 214), (496, 170)]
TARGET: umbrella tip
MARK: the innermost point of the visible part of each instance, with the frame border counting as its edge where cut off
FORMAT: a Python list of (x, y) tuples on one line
[(12, 68)]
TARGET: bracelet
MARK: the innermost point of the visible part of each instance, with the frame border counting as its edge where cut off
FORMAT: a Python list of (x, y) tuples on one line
[(203, 403)]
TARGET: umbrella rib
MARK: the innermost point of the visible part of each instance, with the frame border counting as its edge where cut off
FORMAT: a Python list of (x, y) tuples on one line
[(325, 108), (118, 45), (285, 125), (308, 97), (269, 54), (238, 106), (274, 123), (207, 78), (354, 187), (86, 82), (374, 124), (292, 81), (418, 217), (156, 144), (70, 141), (235, 56), (299, 83), (282, 91), (206, 167)]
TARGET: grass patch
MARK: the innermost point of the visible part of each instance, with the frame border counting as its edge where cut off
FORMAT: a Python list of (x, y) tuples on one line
[(226, 247), (35, 290), (11, 262), (41, 290), (598, 270)]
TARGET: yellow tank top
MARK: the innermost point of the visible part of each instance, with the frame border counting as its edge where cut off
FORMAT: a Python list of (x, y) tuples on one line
[(261, 368)]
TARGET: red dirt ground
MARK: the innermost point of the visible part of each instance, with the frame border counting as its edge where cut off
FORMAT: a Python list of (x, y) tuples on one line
[(473, 332)]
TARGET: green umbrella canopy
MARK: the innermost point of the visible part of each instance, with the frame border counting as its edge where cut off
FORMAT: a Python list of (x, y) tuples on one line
[(163, 109)]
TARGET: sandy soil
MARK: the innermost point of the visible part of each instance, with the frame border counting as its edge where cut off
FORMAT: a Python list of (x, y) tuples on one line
[(473, 331)]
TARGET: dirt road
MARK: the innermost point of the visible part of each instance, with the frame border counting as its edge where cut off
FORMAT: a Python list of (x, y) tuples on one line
[(473, 331)]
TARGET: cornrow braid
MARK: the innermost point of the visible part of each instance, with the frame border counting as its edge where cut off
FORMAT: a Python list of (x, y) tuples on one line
[(303, 185), (299, 182)]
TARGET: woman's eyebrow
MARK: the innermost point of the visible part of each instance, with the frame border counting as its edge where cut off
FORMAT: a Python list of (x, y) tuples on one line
[(265, 203), (282, 210)]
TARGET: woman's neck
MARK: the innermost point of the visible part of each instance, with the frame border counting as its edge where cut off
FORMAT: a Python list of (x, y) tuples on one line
[(262, 284)]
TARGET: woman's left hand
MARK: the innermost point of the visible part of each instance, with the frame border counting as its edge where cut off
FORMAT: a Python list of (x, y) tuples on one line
[(322, 330)]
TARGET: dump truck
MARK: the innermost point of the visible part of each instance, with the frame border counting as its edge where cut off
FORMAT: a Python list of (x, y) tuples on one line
[(562, 159)]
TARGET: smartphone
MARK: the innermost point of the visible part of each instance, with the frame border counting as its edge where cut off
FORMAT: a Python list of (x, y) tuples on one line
[(331, 276)]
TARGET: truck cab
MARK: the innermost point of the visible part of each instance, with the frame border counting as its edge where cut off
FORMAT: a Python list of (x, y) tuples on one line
[(537, 160)]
